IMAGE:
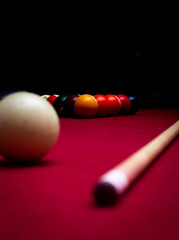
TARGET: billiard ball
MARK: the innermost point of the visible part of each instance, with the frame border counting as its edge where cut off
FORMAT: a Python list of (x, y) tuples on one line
[(45, 96), (58, 104), (68, 105), (125, 104), (51, 99), (29, 127), (86, 106), (115, 104), (134, 104), (103, 105)]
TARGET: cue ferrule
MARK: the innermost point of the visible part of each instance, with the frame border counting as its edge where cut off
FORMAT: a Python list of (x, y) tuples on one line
[(117, 179)]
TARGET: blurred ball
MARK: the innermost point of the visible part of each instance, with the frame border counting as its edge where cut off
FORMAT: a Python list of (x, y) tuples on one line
[(51, 99), (68, 105), (86, 106), (58, 104), (125, 104), (103, 105), (29, 127), (134, 104), (115, 104)]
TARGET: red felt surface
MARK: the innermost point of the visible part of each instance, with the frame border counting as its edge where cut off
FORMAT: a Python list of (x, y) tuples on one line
[(53, 199)]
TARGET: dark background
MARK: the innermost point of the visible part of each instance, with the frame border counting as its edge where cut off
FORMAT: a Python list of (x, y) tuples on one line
[(90, 51)]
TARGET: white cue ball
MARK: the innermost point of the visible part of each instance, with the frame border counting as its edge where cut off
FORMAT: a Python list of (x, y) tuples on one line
[(29, 126)]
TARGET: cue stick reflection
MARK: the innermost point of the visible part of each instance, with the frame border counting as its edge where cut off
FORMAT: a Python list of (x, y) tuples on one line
[(115, 182)]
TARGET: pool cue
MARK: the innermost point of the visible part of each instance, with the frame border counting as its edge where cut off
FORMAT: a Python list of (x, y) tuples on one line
[(116, 181)]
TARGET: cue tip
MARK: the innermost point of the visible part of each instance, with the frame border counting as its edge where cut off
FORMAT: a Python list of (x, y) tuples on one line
[(105, 194)]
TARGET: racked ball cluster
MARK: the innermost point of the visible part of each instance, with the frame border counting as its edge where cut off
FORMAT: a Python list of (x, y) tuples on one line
[(88, 106)]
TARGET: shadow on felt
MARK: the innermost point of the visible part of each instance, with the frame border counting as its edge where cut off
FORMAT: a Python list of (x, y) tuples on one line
[(8, 163)]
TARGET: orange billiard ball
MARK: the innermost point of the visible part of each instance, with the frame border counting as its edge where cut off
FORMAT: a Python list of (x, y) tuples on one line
[(86, 106)]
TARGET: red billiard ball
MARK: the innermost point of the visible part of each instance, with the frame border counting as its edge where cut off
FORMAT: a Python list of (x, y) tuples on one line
[(68, 105), (51, 99), (115, 104), (125, 104), (103, 105)]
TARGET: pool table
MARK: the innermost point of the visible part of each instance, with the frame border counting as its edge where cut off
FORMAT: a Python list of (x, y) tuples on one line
[(53, 198)]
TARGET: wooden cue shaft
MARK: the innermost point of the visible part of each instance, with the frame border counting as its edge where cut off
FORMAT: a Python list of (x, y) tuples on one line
[(121, 176), (138, 161)]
